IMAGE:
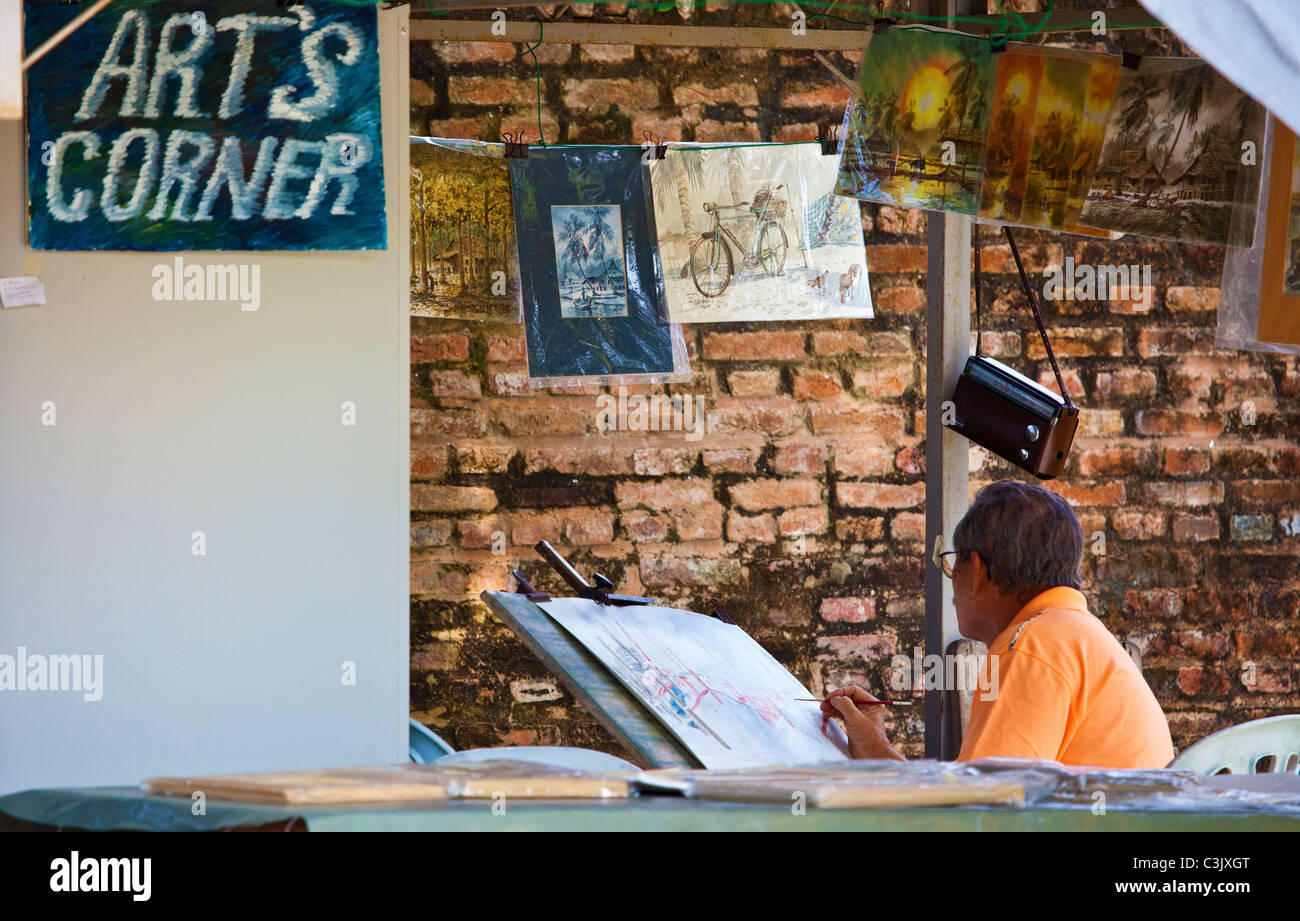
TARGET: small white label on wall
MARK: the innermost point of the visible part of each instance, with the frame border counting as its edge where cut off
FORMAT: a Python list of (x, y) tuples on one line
[(21, 291)]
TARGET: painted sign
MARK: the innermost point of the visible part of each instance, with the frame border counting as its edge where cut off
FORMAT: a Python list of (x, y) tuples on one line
[(183, 124)]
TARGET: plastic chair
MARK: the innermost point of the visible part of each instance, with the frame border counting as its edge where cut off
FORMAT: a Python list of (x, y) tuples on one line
[(579, 759), (425, 744), (1267, 746)]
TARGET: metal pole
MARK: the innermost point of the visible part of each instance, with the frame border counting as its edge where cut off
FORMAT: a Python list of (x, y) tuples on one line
[(947, 469)]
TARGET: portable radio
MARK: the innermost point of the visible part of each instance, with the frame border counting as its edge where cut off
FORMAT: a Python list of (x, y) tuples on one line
[(1000, 409), (1014, 417)]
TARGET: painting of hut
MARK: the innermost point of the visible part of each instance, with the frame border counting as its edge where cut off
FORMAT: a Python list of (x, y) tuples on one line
[(1171, 163)]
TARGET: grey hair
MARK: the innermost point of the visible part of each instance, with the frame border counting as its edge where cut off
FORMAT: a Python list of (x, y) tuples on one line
[(1028, 536)]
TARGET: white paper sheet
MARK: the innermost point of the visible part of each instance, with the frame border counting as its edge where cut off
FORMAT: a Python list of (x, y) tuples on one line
[(716, 690), (21, 291)]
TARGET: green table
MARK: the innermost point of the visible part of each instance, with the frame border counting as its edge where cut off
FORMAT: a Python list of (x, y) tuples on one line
[(127, 808)]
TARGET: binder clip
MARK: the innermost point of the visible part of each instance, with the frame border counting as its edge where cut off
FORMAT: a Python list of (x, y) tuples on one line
[(660, 147), (882, 22), (1131, 60), (998, 43), (829, 139), (526, 588), (516, 147)]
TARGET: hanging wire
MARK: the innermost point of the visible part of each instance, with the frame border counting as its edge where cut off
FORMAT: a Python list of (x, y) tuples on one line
[(537, 68)]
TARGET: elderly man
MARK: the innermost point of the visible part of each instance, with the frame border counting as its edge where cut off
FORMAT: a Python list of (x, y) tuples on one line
[(1065, 689)]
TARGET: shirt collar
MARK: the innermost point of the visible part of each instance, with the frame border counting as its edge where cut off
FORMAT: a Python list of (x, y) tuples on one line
[(1062, 596)]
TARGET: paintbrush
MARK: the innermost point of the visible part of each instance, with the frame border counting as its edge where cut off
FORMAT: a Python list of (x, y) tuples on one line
[(864, 703)]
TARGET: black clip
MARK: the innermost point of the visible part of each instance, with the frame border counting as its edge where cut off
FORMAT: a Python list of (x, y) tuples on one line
[(516, 147), (722, 615), (660, 146), (1131, 60), (829, 139), (526, 588), (998, 44)]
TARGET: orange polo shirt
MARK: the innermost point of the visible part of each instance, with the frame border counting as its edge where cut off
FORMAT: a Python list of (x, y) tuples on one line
[(1065, 691)]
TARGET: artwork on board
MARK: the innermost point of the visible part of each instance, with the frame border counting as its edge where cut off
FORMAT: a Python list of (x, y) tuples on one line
[(915, 134), (756, 233), (198, 125), (708, 682), (1291, 278), (1172, 163), (588, 267), (463, 258), (1049, 110)]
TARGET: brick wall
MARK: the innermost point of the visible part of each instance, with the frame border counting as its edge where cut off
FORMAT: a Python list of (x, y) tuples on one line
[(801, 510)]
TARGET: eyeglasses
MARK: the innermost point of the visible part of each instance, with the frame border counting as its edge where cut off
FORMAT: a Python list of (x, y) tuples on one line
[(943, 563)]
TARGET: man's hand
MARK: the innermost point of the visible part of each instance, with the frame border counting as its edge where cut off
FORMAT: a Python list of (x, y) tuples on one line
[(864, 723)]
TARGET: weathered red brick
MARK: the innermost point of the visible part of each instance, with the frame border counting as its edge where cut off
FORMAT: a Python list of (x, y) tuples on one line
[(425, 498), (764, 494), (854, 610), (768, 345)]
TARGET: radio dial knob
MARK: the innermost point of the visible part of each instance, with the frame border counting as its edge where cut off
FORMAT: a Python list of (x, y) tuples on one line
[(1032, 433), (1024, 454)]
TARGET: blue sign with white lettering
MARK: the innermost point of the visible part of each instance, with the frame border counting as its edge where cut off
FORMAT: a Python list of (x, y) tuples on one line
[(175, 125)]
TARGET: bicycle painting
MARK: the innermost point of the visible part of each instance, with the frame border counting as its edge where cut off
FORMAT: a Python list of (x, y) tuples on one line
[(754, 233)]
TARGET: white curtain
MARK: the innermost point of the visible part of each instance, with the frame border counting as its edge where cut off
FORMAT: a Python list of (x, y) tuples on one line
[(1254, 43)]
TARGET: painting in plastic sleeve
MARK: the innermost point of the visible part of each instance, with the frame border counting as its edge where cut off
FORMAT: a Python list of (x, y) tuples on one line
[(463, 258), (1050, 110), (244, 125), (1279, 272), (754, 232), (592, 296), (708, 682), (915, 133), (1174, 163)]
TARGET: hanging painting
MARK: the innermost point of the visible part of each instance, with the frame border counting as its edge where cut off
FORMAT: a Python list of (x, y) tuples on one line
[(751, 232), (914, 136), (1050, 107), (1180, 159), (463, 259), (198, 125), (589, 269)]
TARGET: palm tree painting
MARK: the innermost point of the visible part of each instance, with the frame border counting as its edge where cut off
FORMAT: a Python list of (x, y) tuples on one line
[(590, 270), (916, 134), (1170, 164)]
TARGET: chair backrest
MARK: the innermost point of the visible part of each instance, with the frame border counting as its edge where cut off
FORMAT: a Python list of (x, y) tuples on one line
[(425, 744), (968, 655), (1270, 745)]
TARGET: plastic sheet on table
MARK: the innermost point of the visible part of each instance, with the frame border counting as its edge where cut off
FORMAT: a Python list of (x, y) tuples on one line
[(854, 784)]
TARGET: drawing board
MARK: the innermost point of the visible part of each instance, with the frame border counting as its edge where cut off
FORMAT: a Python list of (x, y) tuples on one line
[(717, 690)]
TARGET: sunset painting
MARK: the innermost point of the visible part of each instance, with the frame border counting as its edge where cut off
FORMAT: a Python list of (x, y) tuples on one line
[(1039, 134), (914, 136)]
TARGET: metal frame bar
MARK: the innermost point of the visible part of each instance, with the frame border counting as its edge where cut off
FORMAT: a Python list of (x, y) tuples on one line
[(947, 463), (688, 36)]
